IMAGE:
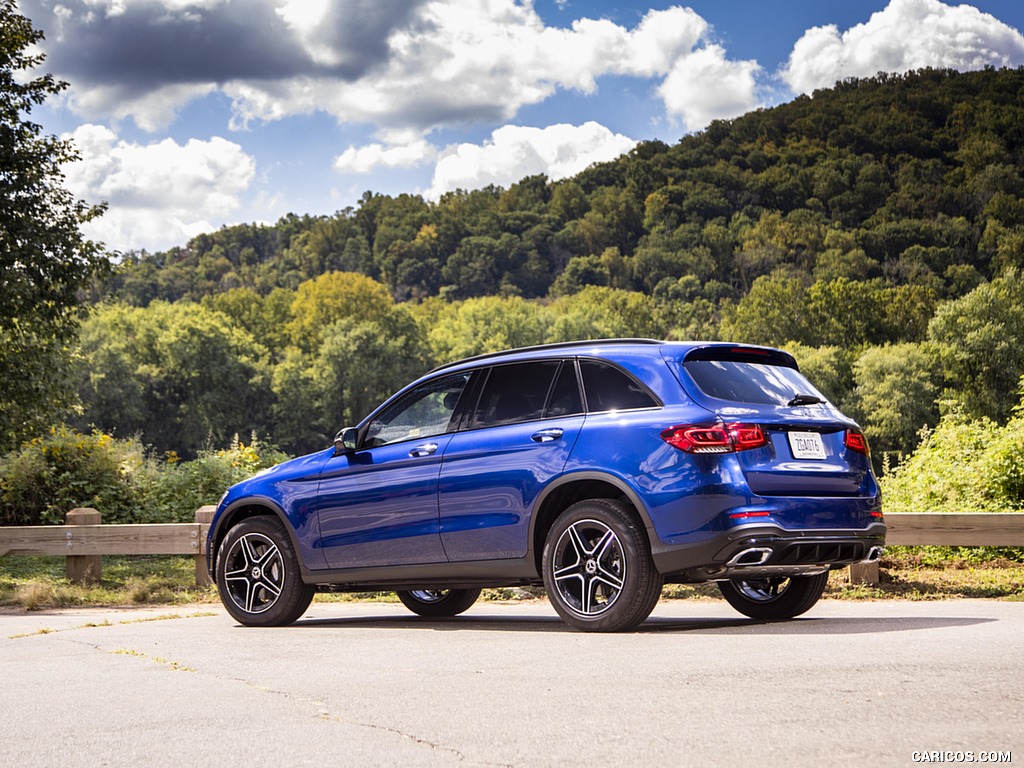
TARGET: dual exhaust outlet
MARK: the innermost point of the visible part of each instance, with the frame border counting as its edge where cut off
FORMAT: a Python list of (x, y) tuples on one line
[(753, 556)]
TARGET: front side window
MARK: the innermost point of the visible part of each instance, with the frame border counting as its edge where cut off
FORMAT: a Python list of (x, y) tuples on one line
[(423, 412)]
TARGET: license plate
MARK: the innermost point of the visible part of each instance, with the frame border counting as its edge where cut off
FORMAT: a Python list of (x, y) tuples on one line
[(806, 445)]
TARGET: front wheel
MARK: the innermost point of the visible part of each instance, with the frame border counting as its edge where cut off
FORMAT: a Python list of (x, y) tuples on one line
[(774, 599), (598, 570), (438, 603), (258, 574)]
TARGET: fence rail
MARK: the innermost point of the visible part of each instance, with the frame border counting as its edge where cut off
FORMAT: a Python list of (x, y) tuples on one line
[(83, 541)]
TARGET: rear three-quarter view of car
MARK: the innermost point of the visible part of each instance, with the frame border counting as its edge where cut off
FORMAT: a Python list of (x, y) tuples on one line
[(600, 470)]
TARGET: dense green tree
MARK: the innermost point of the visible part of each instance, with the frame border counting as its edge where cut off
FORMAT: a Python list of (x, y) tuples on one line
[(45, 261), (332, 297), (180, 375), (599, 312), (895, 395), (984, 335), (487, 324)]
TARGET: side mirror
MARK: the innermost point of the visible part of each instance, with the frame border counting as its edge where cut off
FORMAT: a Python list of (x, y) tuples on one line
[(345, 441)]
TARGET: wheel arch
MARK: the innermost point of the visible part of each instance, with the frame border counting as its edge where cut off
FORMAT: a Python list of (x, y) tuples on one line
[(575, 487), (236, 513)]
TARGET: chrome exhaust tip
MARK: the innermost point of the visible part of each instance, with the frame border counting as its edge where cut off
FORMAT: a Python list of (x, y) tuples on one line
[(874, 554), (750, 556)]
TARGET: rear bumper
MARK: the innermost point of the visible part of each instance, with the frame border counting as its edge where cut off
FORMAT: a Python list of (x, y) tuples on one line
[(759, 551)]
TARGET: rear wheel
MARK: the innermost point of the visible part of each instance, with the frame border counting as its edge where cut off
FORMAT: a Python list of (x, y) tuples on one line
[(774, 598), (598, 570), (437, 603), (258, 574)]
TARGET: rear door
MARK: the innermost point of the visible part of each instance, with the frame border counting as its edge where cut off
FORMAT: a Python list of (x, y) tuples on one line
[(514, 441)]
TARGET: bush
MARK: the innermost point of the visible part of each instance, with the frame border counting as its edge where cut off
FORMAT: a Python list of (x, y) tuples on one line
[(66, 469)]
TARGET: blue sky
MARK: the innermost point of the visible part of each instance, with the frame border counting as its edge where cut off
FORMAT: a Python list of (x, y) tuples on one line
[(193, 114)]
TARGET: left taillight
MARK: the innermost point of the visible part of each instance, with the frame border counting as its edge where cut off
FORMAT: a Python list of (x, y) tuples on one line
[(715, 438), (855, 441)]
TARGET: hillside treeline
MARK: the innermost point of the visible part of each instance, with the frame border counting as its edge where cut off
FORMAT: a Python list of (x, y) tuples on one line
[(876, 229)]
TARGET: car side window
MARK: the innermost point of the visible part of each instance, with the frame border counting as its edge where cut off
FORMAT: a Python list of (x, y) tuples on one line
[(610, 389), (514, 393), (565, 397), (423, 412)]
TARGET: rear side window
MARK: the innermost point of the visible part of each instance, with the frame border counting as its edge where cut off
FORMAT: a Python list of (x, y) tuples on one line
[(514, 393), (609, 389), (744, 382)]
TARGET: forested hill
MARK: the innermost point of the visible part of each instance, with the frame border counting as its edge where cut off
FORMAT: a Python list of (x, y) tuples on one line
[(875, 229), (916, 178)]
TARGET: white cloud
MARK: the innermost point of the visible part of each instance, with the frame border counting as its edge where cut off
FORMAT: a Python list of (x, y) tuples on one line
[(906, 35), (373, 156), (406, 63), (706, 86), (160, 194), (514, 152)]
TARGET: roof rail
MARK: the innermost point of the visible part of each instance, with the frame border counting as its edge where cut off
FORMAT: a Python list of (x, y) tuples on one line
[(552, 347)]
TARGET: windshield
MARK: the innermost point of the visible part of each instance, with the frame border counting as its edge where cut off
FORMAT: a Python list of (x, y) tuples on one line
[(756, 383)]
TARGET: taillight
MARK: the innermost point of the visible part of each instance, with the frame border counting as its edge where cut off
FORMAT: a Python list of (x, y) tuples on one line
[(717, 438), (855, 441)]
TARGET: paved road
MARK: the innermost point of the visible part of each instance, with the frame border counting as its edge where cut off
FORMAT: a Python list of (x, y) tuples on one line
[(369, 684)]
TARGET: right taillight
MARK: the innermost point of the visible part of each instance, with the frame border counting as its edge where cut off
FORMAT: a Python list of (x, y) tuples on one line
[(855, 441), (716, 438)]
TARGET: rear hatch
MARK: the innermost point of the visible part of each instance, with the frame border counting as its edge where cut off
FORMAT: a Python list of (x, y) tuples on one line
[(805, 448)]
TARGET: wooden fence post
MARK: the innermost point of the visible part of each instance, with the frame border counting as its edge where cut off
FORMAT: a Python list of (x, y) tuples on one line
[(82, 569), (204, 516), (865, 573)]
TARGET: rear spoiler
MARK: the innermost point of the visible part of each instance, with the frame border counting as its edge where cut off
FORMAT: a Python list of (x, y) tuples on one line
[(736, 353)]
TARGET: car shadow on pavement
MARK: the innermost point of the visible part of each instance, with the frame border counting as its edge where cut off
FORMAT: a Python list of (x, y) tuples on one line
[(737, 626)]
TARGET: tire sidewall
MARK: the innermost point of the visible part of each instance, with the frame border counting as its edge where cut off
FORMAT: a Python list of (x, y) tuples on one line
[(634, 601), (295, 595)]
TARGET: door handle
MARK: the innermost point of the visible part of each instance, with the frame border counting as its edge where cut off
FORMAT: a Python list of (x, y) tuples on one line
[(423, 450), (547, 435)]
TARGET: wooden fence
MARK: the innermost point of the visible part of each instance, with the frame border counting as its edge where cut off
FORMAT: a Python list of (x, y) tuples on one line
[(83, 541)]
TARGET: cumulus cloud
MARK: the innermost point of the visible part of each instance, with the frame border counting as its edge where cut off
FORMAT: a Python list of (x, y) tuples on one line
[(906, 35), (373, 156), (732, 90), (160, 194), (514, 151), (418, 63)]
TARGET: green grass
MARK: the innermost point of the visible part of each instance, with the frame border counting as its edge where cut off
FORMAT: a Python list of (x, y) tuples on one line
[(908, 573)]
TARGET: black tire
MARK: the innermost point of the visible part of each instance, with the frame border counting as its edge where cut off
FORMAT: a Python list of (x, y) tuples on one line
[(438, 603), (258, 574), (597, 566), (774, 599)]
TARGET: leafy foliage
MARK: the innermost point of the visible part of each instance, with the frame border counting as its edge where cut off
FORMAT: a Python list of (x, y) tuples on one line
[(65, 469), (44, 260), (964, 465)]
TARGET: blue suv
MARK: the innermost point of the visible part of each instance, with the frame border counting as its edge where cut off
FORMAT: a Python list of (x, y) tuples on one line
[(599, 469)]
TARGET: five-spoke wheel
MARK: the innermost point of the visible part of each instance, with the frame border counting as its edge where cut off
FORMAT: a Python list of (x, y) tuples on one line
[(597, 567), (437, 603), (258, 574), (775, 598)]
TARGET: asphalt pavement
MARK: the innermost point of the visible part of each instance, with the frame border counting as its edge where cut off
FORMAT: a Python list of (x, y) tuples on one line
[(851, 683)]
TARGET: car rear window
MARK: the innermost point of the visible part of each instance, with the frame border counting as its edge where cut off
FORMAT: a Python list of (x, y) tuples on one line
[(745, 382)]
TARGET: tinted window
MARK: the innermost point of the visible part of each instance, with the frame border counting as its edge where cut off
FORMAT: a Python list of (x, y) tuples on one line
[(424, 412), (749, 382), (609, 389), (565, 395), (514, 393)]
